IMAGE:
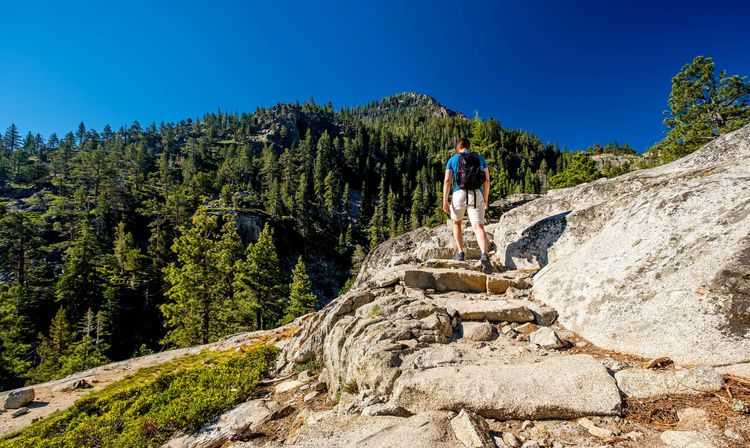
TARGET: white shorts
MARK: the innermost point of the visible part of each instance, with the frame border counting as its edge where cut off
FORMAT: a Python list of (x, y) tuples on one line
[(459, 205)]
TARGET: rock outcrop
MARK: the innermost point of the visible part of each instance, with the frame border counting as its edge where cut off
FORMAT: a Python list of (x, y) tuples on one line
[(655, 262)]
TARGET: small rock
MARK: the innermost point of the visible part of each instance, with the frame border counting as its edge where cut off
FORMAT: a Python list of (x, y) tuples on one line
[(306, 376), (19, 398), (286, 386), (693, 418), (526, 424), (730, 434), (19, 412), (634, 435), (531, 444), (505, 329), (511, 440), (302, 356), (311, 396), (499, 441), (471, 430), (658, 362), (520, 338), (73, 385), (544, 315), (596, 431), (547, 338), (304, 387), (581, 344), (527, 328), (683, 439), (478, 331)]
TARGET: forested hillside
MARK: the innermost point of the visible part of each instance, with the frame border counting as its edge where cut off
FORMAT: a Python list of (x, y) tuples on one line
[(120, 242)]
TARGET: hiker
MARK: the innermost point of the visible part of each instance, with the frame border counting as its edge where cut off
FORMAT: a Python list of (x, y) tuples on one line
[(469, 175)]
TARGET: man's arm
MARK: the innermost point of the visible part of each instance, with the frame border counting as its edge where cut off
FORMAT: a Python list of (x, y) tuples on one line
[(447, 184), (486, 187)]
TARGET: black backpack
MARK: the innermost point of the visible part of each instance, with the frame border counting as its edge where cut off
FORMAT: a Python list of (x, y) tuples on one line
[(470, 173)]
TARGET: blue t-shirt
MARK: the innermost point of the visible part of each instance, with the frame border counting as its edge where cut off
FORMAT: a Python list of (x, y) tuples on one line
[(453, 166)]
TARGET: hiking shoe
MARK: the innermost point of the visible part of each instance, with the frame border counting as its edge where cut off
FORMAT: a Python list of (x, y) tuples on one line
[(459, 256), (487, 267)]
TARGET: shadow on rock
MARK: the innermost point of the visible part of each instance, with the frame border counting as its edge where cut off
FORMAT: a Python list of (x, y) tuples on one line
[(536, 240)]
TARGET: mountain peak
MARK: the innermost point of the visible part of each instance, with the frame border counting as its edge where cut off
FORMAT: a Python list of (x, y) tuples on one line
[(414, 103)]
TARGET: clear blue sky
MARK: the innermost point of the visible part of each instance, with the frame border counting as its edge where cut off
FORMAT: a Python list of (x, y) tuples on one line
[(575, 72)]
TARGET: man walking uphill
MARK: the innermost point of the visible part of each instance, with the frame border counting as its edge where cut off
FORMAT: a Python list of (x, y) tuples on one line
[(468, 174)]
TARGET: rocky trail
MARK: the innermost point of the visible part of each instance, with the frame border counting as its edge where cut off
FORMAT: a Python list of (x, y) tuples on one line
[(441, 355)]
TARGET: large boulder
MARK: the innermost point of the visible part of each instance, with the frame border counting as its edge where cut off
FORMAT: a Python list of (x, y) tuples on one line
[(19, 398), (361, 337), (653, 263), (562, 387)]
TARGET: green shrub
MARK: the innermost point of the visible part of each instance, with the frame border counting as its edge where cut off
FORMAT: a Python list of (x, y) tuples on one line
[(146, 410)]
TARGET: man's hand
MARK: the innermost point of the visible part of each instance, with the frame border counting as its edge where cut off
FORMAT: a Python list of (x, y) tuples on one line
[(446, 207)]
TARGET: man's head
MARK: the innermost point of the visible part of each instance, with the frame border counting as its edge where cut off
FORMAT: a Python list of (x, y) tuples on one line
[(462, 144)]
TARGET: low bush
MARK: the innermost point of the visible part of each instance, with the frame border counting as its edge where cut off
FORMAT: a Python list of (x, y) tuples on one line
[(147, 409)]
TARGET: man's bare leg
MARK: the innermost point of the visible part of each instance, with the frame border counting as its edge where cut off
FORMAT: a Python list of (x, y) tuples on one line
[(481, 237), (458, 235), (484, 245)]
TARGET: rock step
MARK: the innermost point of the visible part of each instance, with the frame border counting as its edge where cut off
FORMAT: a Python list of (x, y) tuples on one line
[(446, 279), (508, 310), (489, 310), (564, 387), (466, 265)]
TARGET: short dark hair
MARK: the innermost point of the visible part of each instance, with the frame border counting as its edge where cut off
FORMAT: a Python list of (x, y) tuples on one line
[(463, 143)]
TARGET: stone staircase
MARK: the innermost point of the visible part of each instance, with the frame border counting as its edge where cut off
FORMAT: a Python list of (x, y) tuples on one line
[(477, 373)]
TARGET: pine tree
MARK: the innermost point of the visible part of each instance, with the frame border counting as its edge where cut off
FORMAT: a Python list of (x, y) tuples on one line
[(332, 197), (14, 359), (12, 138), (301, 208), (322, 164), (199, 296), (79, 286), (81, 134), (301, 298), (52, 350), (259, 284), (702, 106), (89, 351)]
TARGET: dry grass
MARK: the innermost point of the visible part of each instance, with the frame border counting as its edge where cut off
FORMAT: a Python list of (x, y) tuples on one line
[(597, 352), (661, 413)]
